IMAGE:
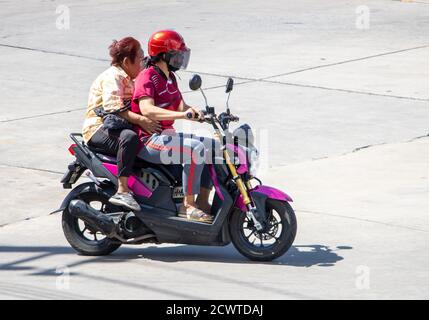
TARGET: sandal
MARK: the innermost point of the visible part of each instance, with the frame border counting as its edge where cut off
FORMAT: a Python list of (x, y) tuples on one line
[(195, 215)]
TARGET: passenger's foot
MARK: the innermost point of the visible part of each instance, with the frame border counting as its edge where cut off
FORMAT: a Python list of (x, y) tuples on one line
[(206, 207), (125, 200), (195, 214)]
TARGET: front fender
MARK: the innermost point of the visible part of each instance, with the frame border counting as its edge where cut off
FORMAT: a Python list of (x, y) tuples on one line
[(82, 188), (263, 192), (272, 193)]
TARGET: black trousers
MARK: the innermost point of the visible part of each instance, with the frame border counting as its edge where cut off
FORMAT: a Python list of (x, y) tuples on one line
[(122, 143)]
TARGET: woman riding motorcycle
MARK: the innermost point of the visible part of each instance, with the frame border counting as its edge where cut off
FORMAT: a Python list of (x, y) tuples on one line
[(158, 97), (112, 92)]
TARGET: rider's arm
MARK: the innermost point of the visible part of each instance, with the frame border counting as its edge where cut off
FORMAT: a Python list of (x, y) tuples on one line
[(186, 108), (148, 109), (115, 89), (183, 106), (133, 117)]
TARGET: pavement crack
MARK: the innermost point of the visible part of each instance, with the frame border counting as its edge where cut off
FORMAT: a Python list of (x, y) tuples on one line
[(84, 108), (366, 147), (384, 143), (220, 86), (346, 90), (107, 60), (357, 149), (42, 115), (247, 80), (419, 137), (21, 220), (345, 61), (52, 52), (30, 168), (222, 76)]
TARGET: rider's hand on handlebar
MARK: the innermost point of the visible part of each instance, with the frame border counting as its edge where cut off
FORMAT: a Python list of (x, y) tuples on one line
[(193, 114)]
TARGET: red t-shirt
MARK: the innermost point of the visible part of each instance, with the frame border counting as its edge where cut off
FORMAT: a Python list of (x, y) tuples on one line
[(165, 93)]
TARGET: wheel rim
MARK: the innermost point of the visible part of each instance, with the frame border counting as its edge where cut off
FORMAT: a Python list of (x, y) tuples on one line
[(268, 237), (84, 230)]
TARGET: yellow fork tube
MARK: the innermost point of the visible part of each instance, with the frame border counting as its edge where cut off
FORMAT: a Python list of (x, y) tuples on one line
[(240, 184)]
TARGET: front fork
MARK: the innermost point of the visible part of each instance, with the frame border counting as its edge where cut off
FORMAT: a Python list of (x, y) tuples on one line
[(251, 209)]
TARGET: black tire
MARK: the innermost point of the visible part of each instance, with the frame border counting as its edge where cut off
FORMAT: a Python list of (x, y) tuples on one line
[(77, 239), (241, 242)]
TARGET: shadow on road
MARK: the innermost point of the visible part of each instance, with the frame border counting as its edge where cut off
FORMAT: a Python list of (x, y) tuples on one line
[(297, 256)]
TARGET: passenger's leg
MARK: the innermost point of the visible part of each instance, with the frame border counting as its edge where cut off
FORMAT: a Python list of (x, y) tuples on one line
[(123, 144), (127, 152)]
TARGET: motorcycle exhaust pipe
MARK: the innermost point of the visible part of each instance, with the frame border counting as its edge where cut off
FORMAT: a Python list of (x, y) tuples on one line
[(93, 217)]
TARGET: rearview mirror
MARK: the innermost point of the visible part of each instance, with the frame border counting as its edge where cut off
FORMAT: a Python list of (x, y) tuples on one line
[(229, 85), (195, 82)]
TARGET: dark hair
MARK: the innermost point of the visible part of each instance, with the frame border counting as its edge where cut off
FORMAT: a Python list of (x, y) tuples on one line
[(124, 48), (152, 60)]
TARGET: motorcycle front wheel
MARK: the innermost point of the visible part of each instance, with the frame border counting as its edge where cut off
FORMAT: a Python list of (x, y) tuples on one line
[(273, 241)]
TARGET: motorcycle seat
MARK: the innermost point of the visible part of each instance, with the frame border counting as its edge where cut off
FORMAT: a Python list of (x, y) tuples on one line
[(111, 158), (173, 171)]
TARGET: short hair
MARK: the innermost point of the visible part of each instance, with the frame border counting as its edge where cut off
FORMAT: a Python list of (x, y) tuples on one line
[(124, 48)]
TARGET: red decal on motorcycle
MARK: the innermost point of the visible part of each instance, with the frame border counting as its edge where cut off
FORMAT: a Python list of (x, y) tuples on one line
[(215, 182)]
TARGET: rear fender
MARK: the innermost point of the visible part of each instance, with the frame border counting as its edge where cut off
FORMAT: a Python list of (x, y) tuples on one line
[(107, 189)]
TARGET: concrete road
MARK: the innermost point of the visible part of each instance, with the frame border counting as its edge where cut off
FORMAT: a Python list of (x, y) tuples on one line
[(315, 80), (361, 234)]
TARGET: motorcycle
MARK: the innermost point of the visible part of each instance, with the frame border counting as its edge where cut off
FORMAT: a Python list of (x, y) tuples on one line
[(258, 220)]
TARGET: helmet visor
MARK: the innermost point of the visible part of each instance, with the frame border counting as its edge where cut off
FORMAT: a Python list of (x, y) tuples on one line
[(180, 59)]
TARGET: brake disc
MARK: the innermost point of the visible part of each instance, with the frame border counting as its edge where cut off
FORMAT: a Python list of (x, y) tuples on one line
[(270, 231)]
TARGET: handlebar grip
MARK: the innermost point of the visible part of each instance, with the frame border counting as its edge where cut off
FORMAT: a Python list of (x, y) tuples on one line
[(189, 115)]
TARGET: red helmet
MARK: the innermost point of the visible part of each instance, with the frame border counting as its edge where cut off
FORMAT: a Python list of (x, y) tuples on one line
[(172, 44)]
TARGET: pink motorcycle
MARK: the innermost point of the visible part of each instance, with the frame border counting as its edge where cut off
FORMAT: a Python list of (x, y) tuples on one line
[(258, 220)]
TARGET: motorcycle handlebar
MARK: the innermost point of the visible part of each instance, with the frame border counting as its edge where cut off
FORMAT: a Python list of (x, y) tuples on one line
[(207, 117), (191, 115)]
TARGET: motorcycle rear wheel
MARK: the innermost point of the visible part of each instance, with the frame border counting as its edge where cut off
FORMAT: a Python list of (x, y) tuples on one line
[(79, 234), (274, 241)]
